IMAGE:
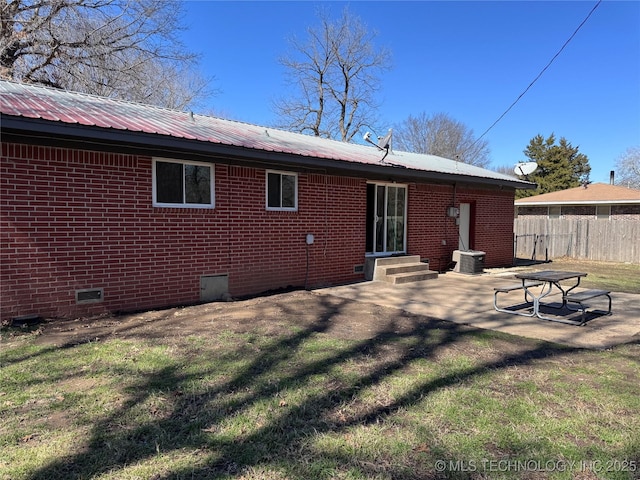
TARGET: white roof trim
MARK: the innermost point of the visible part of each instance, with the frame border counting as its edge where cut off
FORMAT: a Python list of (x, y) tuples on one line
[(579, 202)]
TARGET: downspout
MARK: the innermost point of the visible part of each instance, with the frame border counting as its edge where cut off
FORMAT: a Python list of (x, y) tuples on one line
[(455, 188), (455, 192)]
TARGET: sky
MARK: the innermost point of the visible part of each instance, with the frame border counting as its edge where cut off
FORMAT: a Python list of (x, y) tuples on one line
[(470, 60)]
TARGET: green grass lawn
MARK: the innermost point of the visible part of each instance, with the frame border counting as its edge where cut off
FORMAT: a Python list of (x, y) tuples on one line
[(617, 277), (438, 401)]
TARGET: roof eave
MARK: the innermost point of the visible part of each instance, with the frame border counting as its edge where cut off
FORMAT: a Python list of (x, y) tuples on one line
[(129, 142), (581, 202)]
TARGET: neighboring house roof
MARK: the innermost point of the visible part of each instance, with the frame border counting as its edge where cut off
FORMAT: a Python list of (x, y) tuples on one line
[(90, 119), (594, 193)]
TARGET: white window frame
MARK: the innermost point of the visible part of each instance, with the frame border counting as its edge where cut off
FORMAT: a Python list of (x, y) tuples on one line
[(211, 167), (385, 218), (266, 190)]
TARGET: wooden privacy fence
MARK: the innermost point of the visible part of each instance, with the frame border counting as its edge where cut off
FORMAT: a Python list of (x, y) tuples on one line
[(592, 239)]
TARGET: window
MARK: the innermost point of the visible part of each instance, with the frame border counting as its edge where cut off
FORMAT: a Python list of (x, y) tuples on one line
[(282, 191), (603, 212), (554, 212), (182, 184)]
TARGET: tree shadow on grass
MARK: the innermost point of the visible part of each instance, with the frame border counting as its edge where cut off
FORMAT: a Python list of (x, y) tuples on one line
[(196, 419)]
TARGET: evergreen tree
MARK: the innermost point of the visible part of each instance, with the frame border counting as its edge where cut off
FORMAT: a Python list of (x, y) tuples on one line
[(560, 166)]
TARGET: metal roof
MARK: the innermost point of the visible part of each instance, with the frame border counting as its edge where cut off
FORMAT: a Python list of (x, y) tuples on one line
[(28, 102), (594, 193)]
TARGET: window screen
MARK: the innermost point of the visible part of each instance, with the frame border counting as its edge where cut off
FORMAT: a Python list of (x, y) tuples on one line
[(282, 191), (183, 184)]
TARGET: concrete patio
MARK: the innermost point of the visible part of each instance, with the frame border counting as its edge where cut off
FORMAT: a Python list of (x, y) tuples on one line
[(468, 299)]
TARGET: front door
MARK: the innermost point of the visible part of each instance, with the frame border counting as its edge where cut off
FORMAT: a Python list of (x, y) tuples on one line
[(386, 218)]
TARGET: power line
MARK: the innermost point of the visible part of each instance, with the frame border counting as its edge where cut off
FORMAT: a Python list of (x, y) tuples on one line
[(539, 75)]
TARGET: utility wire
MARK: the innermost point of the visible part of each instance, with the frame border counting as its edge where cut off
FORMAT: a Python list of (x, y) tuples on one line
[(539, 75)]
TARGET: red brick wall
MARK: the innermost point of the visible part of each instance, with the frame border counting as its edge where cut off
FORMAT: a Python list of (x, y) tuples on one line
[(74, 219), (429, 226), (494, 212)]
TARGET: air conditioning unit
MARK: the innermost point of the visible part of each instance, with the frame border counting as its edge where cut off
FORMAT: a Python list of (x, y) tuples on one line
[(468, 261)]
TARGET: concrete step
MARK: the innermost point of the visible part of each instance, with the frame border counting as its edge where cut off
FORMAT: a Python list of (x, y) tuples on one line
[(409, 277), (406, 269), (385, 261), (402, 268)]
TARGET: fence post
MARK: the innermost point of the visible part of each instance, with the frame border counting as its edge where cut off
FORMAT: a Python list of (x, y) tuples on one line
[(546, 247)]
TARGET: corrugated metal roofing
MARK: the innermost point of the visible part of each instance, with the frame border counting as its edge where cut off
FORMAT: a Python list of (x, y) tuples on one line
[(593, 193), (28, 101)]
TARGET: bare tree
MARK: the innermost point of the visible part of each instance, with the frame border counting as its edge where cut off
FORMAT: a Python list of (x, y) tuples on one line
[(335, 77), (506, 170), (628, 168), (116, 48), (441, 135)]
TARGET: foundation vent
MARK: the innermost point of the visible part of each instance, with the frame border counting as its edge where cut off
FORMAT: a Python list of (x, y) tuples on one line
[(89, 295), (214, 287), (358, 269)]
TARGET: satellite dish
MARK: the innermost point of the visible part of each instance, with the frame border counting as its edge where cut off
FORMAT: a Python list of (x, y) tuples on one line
[(385, 142), (525, 168)]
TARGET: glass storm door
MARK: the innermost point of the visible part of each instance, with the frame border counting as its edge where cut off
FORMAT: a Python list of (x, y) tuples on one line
[(386, 218)]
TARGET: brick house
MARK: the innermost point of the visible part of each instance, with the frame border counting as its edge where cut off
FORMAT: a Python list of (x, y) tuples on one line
[(113, 206), (596, 200)]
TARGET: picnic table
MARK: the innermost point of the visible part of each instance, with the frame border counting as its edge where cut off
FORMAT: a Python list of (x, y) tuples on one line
[(547, 279)]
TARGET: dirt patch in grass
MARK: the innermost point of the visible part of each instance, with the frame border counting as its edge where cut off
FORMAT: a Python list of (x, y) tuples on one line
[(274, 316)]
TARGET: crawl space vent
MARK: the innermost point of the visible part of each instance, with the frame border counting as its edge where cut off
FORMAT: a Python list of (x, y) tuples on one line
[(89, 295)]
